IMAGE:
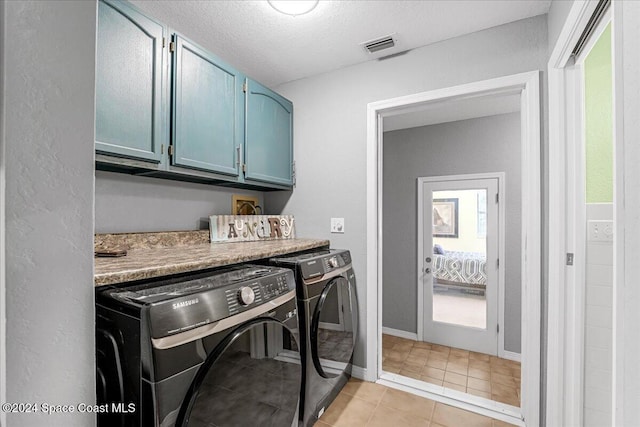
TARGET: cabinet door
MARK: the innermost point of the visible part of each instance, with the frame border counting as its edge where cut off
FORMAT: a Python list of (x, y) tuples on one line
[(129, 76), (269, 136), (207, 111)]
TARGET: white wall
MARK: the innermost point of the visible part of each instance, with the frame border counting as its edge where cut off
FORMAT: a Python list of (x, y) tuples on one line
[(127, 203), (598, 324), (482, 145), (626, 351), (49, 164), (330, 125)]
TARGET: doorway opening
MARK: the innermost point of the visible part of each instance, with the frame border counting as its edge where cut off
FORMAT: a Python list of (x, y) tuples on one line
[(525, 88)]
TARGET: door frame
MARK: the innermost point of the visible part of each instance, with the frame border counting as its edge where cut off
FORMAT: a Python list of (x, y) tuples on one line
[(562, 403), (528, 86), (566, 298), (500, 177)]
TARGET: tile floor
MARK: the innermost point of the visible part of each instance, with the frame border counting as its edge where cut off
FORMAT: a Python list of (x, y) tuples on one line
[(374, 405), (475, 373)]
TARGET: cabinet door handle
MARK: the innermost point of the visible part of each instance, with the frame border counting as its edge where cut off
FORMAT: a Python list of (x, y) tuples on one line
[(238, 156)]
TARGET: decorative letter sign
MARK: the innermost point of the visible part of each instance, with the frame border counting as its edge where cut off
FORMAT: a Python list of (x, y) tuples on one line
[(248, 228)]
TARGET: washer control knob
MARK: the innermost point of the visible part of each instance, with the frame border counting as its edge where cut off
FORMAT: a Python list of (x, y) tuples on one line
[(333, 262), (246, 295)]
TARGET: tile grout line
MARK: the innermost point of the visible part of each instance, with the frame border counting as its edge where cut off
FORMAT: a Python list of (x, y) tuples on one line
[(377, 406), (491, 371), (433, 411)]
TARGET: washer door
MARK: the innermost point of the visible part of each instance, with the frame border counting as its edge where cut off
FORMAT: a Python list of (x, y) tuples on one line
[(334, 327), (239, 384)]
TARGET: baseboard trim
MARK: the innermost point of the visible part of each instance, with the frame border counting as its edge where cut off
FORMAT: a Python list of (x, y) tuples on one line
[(359, 373), (399, 333), (510, 355)]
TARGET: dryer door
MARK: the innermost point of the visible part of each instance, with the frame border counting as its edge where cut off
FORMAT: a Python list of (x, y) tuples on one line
[(243, 383), (334, 327)]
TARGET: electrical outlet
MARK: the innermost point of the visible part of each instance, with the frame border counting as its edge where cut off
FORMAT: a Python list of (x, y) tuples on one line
[(337, 225), (600, 231)]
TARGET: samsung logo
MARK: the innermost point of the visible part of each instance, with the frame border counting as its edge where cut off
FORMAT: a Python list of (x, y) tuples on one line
[(187, 303)]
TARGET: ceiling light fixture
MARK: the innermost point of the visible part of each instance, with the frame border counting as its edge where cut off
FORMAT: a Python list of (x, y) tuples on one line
[(293, 7)]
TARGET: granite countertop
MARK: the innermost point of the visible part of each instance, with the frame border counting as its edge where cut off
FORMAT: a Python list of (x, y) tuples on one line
[(152, 255)]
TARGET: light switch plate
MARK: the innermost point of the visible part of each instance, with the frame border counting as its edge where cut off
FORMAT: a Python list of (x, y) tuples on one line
[(337, 225), (600, 231)]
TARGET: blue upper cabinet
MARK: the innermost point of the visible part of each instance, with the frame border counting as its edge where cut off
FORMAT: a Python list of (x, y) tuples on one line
[(207, 111), (154, 93), (269, 136), (129, 79)]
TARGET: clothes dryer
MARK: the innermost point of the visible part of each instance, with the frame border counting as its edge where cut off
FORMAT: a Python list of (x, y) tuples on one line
[(328, 313)]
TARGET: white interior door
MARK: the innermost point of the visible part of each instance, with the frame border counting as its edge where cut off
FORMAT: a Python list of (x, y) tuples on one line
[(460, 285)]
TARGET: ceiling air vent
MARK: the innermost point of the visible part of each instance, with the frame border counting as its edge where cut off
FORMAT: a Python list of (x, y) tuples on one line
[(377, 45)]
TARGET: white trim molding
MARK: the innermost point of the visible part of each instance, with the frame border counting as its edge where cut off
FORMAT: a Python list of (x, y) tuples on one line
[(626, 324), (511, 355), (528, 86), (469, 402), (359, 372), (565, 324), (401, 334)]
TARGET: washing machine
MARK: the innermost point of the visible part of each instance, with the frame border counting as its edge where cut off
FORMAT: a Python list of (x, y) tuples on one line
[(328, 310), (198, 350)]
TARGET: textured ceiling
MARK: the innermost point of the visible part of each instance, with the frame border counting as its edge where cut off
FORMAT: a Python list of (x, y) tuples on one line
[(275, 48)]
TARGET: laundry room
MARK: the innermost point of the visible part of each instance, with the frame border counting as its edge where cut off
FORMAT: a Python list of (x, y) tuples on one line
[(330, 213)]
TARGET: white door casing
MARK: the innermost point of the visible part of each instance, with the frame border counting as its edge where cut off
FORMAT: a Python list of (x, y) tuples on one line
[(528, 86), (563, 401), (567, 220)]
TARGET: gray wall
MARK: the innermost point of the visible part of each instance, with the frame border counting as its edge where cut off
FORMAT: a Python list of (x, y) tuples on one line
[(127, 203), (49, 91), (487, 144), (330, 125), (3, 264), (557, 16)]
